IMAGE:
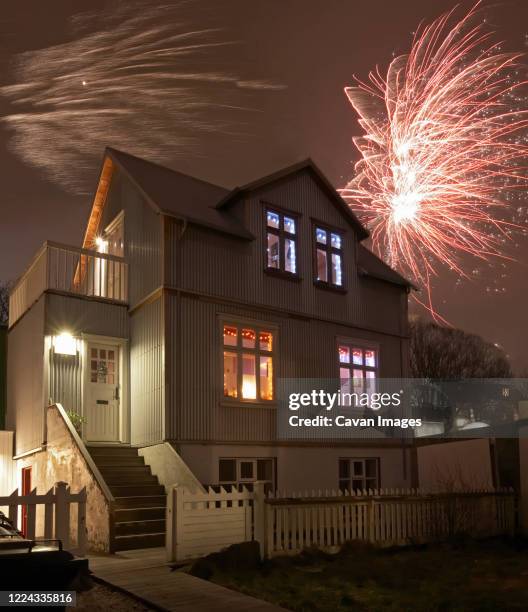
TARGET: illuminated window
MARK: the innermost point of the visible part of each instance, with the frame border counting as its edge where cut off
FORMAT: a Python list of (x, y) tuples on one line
[(103, 366), (358, 367), (281, 242), (248, 362), (328, 246), (359, 474)]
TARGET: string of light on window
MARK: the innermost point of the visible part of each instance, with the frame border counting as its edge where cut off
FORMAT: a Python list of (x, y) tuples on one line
[(366, 357), (248, 366)]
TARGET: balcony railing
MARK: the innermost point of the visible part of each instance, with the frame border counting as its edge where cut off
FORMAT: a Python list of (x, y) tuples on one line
[(72, 270)]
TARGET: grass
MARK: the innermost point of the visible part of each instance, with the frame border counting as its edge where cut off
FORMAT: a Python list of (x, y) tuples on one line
[(487, 576)]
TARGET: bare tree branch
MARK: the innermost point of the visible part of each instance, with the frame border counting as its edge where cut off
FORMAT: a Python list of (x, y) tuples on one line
[(446, 353)]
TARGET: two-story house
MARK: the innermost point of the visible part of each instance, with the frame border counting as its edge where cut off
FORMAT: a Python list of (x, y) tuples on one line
[(163, 337)]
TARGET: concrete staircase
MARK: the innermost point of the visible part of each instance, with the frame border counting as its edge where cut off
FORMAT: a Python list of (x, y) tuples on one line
[(140, 501)]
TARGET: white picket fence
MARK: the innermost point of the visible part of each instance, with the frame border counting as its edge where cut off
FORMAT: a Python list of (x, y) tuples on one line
[(201, 523), (48, 516), (384, 518), (285, 524)]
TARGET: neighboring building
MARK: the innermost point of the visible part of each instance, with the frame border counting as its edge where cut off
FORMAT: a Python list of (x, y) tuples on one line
[(166, 333)]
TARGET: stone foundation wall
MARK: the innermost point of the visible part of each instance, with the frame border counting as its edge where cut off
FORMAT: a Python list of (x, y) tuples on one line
[(63, 460)]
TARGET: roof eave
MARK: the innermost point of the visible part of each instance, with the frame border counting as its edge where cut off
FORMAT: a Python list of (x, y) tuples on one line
[(238, 233), (402, 282)]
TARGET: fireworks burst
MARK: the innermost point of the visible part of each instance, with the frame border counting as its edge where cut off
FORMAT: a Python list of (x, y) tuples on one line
[(443, 145), (137, 77)]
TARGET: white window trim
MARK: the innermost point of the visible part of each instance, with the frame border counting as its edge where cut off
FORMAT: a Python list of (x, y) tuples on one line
[(258, 325), (364, 476)]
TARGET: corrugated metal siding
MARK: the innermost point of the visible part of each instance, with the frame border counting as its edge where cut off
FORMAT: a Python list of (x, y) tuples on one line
[(306, 348), (143, 236), (147, 385), (7, 466), (239, 266), (25, 374), (65, 381), (81, 315), (3, 375)]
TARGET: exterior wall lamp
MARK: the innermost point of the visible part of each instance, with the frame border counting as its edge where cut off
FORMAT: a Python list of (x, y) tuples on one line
[(65, 344)]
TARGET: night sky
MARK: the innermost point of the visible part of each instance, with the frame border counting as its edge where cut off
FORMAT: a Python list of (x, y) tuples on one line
[(296, 56)]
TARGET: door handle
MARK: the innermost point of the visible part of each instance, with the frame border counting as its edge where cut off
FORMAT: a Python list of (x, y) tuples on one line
[(116, 394)]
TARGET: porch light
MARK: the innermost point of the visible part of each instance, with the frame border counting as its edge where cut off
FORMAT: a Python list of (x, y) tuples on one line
[(65, 344), (101, 244)]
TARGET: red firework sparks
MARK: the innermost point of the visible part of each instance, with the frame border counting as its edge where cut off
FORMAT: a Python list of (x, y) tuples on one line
[(443, 143)]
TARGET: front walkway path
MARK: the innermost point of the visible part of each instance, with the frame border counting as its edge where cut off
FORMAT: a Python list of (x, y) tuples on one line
[(145, 574)]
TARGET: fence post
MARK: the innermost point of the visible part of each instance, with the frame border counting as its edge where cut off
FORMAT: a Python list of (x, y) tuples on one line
[(13, 508), (62, 514), (259, 517), (81, 524), (174, 523), (372, 521), (169, 525)]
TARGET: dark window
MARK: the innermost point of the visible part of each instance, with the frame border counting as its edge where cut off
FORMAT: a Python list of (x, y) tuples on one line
[(245, 471), (328, 257), (281, 242), (359, 474), (227, 470)]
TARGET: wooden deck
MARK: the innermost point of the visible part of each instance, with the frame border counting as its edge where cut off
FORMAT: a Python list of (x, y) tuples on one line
[(145, 574)]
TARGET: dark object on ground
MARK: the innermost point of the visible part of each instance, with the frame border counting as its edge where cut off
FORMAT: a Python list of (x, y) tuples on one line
[(32, 565), (245, 556)]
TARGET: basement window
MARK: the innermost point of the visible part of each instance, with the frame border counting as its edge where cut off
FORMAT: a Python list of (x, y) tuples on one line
[(359, 474), (235, 473)]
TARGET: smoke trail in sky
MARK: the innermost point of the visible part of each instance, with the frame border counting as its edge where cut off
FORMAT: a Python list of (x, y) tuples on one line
[(139, 78)]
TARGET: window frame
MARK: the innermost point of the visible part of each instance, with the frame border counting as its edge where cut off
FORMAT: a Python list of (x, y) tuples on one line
[(247, 482), (364, 345), (329, 249), (256, 326), (282, 235), (363, 476)]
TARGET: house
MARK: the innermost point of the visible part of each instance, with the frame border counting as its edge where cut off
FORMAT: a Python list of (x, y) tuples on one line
[(149, 355)]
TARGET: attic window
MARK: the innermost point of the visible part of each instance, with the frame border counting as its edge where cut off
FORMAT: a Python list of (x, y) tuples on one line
[(281, 242), (328, 257)]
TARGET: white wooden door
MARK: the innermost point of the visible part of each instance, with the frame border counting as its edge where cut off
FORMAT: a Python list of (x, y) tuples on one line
[(102, 397)]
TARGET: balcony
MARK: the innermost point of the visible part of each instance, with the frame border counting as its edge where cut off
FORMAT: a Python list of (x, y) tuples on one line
[(70, 270)]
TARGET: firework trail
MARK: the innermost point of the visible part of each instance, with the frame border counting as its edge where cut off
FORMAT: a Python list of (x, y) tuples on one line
[(137, 78), (444, 145)]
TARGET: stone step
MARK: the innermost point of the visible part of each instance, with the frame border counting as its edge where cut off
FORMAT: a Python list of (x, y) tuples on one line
[(140, 527), (141, 501), (130, 479), (115, 461), (140, 514), (114, 451), (136, 490), (113, 470), (144, 540)]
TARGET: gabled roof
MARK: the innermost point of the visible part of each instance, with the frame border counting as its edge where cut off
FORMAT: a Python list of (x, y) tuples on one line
[(309, 165), (372, 266), (178, 195)]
